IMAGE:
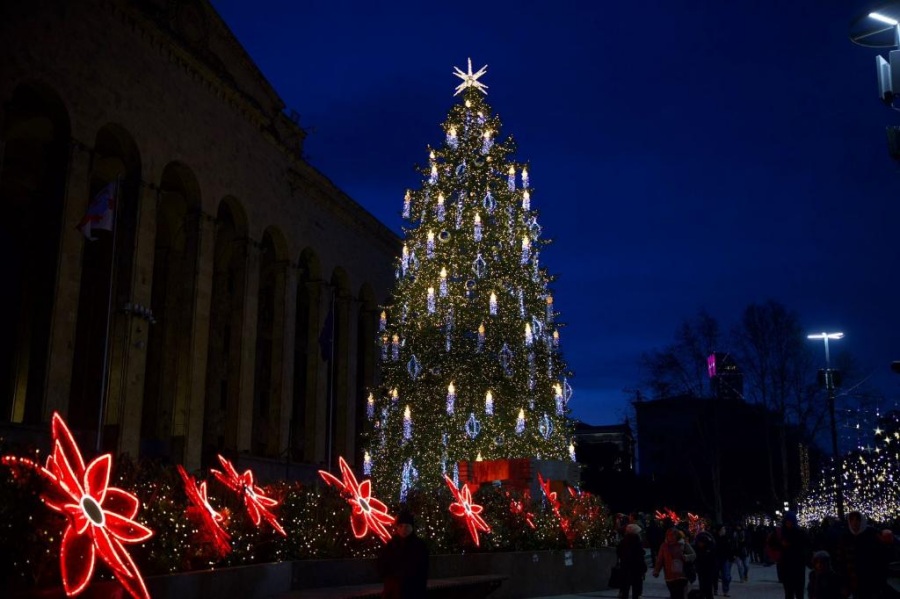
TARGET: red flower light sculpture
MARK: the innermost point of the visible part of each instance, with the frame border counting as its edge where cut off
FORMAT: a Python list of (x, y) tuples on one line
[(368, 513), (554, 503), (255, 500), (464, 508), (101, 518), (203, 513)]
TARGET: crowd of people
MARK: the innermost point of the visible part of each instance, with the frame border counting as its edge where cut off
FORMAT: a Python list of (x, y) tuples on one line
[(835, 560)]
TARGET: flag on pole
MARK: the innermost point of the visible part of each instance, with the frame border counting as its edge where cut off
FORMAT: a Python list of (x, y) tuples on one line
[(99, 214)]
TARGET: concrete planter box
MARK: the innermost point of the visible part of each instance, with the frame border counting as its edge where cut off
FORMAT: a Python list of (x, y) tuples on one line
[(528, 574)]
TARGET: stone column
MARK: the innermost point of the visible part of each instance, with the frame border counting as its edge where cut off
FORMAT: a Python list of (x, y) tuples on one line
[(283, 343), (352, 395), (196, 400), (64, 317), (314, 420), (132, 397), (244, 413)]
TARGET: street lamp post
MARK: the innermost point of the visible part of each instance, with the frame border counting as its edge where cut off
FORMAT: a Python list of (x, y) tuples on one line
[(829, 386)]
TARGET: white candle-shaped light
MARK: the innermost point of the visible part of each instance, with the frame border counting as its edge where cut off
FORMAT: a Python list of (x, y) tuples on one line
[(395, 348), (431, 155), (525, 178), (451, 398), (478, 458), (487, 142), (549, 309), (511, 178), (367, 464), (451, 137), (555, 338), (429, 245), (443, 283), (431, 304), (440, 208), (382, 322), (520, 422), (526, 201), (493, 304), (384, 347), (526, 249), (395, 395), (468, 104), (370, 407), (407, 424), (404, 259), (558, 396), (477, 231), (434, 174), (571, 451), (407, 202), (480, 337), (489, 403), (529, 338)]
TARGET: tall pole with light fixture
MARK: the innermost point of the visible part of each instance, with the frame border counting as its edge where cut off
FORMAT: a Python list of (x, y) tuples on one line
[(830, 387)]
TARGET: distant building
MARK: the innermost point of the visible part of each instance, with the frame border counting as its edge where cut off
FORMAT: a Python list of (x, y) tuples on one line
[(725, 377), (607, 447), (711, 455), (245, 285)]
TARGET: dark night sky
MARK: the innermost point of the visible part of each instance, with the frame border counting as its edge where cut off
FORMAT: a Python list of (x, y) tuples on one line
[(684, 155)]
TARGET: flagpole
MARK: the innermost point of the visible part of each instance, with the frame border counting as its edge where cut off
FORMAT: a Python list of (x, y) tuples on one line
[(104, 382), (330, 387)]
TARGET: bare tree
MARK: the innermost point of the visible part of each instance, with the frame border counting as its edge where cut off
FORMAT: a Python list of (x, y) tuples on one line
[(680, 368), (777, 361)]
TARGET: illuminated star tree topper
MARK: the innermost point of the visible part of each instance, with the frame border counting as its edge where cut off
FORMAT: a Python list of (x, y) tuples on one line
[(470, 79)]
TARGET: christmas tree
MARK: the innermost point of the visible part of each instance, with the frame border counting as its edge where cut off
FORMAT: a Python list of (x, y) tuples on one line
[(470, 352)]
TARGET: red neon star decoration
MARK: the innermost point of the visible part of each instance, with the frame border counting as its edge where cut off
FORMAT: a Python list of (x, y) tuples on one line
[(255, 500), (101, 517), (368, 513), (464, 508), (206, 516)]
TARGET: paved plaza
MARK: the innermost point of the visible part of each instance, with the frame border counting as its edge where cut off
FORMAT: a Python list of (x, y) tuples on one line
[(763, 584)]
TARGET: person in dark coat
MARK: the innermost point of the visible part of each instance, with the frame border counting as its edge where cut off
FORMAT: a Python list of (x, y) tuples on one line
[(824, 583), (790, 547), (403, 562), (860, 559), (630, 552), (707, 566), (724, 558)]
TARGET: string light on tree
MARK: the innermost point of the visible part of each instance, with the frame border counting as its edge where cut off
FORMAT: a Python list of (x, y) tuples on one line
[(492, 253)]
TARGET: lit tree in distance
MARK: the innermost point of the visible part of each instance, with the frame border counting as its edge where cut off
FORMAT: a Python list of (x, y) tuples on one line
[(470, 346)]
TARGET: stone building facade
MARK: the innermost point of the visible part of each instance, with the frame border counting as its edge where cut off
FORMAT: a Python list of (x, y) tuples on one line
[(242, 286)]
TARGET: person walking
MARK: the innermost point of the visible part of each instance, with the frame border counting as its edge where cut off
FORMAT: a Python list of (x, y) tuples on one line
[(861, 560), (724, 558), (630, 552), (741, 540), (705, 548), (673, 554), (403, 561), (824, 583), (789, 546)]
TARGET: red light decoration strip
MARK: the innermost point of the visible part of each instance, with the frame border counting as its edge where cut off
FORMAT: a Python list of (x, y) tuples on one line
[(255, 500), (464, 508), (206, 517), (368, 513), (101, 517), (668, 514), (554, 503), (517, 507)]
